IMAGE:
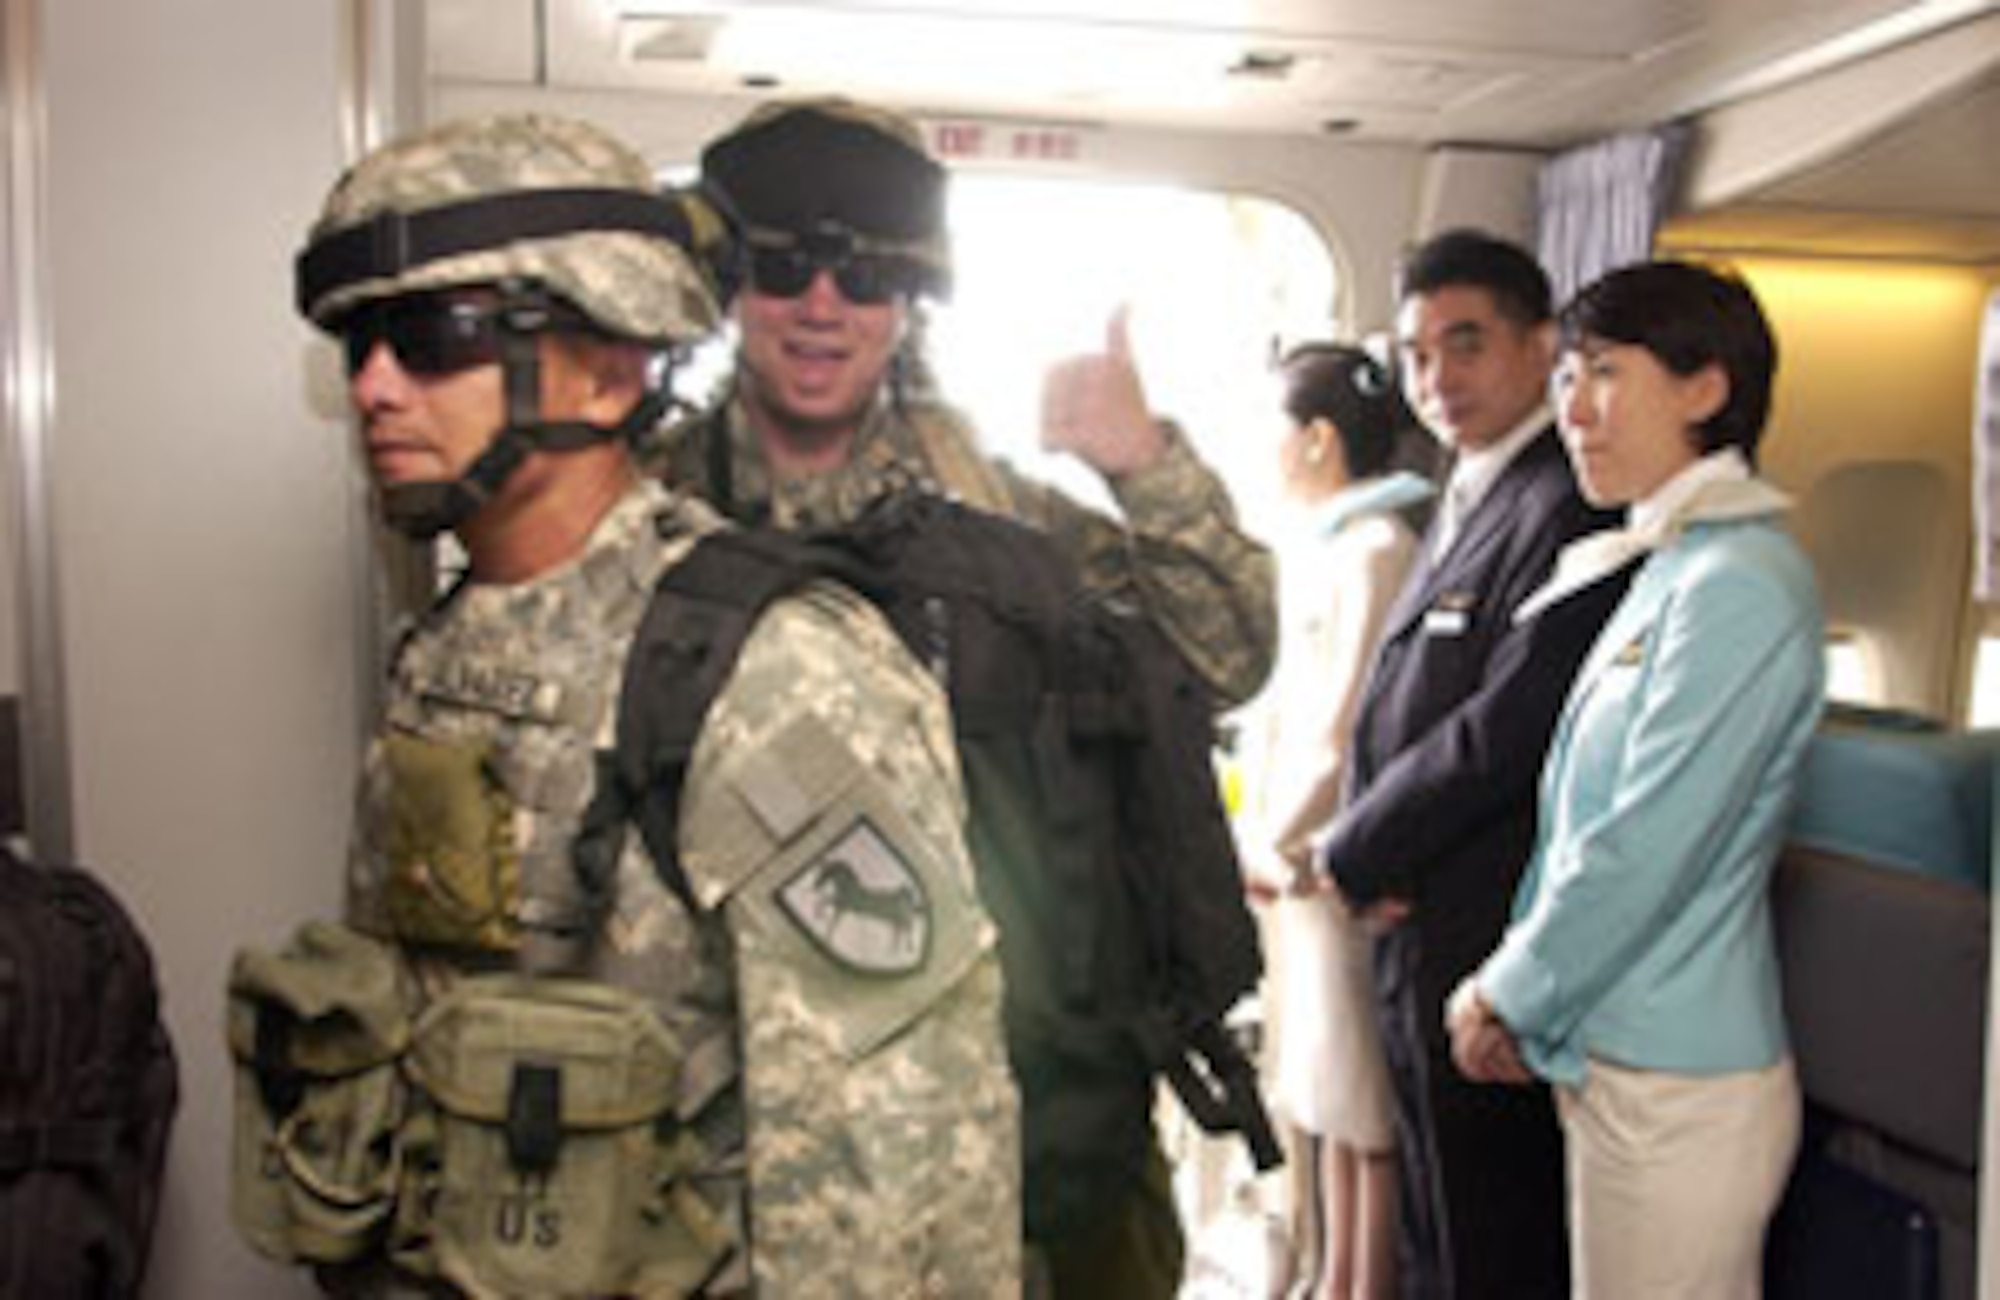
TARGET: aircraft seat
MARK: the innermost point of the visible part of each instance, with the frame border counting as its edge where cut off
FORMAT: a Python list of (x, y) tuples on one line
[(1890, 542), (1896, 790), (1885, 975)]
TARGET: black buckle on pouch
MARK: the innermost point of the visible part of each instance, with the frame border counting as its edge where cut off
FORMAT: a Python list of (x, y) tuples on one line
[(534, 1118), (281, 1086)]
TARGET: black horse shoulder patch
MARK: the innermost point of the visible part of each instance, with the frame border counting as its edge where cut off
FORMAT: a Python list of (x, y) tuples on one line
[(862, 904)]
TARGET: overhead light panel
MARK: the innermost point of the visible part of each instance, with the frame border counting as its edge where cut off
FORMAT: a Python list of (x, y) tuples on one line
[(1059, 59)]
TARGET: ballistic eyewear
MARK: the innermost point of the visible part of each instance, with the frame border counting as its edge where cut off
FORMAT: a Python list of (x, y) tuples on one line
[(441, 334), (785, 266)]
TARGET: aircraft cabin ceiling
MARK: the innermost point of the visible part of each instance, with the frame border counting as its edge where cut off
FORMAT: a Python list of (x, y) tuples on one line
[(1920, 184), (1534, 74), (1951, 149), (1537, 73)]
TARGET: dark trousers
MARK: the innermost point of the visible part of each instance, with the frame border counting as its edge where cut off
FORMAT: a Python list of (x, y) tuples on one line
[(1135, 1252), (1482, 1208)]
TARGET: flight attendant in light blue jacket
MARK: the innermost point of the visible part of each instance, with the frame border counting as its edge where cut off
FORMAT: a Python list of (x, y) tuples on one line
[(1639, 973)]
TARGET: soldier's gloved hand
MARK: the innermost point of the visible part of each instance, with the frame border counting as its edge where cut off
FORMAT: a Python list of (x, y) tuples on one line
[(1094, 407)]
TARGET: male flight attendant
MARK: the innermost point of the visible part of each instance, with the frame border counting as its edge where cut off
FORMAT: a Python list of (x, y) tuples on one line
[(1447, 748)]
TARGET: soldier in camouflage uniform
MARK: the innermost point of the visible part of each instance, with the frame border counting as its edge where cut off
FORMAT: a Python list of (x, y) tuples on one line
[(844, 216), (841, 210), (840, 1110)]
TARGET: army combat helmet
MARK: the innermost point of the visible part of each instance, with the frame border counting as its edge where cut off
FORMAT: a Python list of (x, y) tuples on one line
[(565, 227), (828, 183)]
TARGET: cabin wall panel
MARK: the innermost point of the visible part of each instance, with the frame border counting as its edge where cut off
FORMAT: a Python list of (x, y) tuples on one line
[(1490, 189), (207, 517), (1876, 362), (10, 597)]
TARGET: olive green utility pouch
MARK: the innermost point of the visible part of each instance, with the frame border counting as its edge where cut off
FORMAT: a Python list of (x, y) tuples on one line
[(454, 863), (315, 1031), (546, 1161)]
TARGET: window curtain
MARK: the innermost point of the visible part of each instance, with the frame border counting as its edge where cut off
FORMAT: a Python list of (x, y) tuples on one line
[(1986, 456), (1599, 205)]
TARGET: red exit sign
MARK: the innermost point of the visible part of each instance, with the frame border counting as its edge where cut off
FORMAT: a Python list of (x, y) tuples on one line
[(1002, 142)]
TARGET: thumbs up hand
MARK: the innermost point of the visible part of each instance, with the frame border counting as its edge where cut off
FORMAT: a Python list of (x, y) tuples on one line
[(1094, 407)]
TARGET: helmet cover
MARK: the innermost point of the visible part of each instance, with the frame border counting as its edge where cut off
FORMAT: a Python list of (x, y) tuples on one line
[(631, 284), (799, 166)]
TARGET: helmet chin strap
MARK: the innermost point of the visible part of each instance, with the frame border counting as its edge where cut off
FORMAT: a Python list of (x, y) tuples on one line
[(421, 511)]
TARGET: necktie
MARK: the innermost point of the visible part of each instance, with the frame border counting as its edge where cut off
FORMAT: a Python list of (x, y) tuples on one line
[(1451, 516)]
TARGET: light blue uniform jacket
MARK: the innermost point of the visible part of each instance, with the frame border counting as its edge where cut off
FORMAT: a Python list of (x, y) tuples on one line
[(1641, 932)]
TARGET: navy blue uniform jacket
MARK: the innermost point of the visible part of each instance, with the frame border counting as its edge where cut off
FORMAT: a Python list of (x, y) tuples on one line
[(1444, 764), (1459, 708)]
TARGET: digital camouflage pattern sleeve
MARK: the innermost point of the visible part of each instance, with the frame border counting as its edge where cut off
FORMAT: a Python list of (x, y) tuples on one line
[(824, 815), (1180, 555)]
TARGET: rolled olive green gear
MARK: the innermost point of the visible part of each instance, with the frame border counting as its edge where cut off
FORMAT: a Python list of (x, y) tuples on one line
[(638, 286), (1179, 554), (797, 166), (316, 1030), (527, 678)]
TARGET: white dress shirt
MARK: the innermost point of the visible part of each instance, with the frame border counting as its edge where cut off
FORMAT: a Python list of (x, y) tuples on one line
[(1473, 476)]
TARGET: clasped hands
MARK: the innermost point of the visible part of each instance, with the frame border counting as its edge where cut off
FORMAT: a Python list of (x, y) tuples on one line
[(1482, 1047), (1296, 875)]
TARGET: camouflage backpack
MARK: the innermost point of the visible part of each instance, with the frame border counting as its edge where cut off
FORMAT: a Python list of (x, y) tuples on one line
[(88, 1088), (1097, 830)]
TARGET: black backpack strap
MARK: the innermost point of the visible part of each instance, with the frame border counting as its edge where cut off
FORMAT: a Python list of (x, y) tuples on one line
[(1192, 894), (1222, 1094), (719, 459), (701, 613)]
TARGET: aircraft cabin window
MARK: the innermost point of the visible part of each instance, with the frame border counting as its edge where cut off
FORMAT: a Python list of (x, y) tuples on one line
[(1983, 709), (1213, 281), (1850, 672)]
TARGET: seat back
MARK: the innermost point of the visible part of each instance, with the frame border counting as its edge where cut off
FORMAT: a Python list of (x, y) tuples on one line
[(1890, 542)]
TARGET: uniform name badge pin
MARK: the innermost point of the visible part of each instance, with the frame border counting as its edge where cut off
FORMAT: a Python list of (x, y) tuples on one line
[(1449, 615)]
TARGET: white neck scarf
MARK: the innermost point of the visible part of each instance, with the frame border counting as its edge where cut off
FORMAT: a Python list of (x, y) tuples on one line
[(1718, 486)]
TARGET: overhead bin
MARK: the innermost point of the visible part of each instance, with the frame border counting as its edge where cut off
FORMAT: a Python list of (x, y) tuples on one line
[(1880, 155)]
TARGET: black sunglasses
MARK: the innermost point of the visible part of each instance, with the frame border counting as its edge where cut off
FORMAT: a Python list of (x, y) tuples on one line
[(864, 279), (437, 334)]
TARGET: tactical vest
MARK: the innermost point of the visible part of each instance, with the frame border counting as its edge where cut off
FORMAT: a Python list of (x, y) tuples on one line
[(548, 1037), (578, 1045)]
